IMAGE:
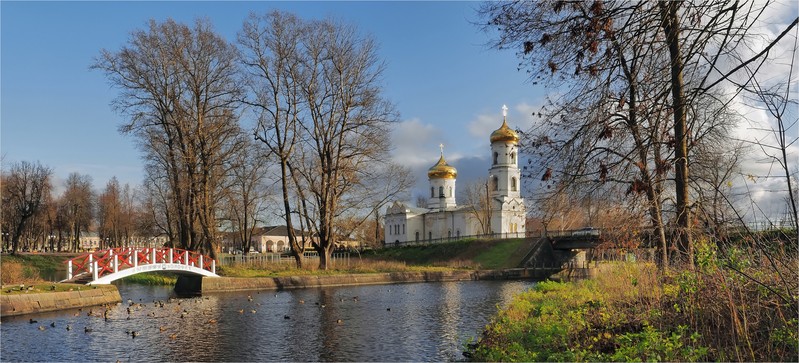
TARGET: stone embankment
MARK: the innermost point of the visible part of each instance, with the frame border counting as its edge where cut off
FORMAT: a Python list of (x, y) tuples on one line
[(222, 284), (18, 304)]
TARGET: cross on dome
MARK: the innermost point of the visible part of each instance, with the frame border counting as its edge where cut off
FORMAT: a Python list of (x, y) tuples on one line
[(442, 149), (504, 111)]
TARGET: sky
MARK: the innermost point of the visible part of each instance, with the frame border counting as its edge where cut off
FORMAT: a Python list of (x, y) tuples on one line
[(447, 84)]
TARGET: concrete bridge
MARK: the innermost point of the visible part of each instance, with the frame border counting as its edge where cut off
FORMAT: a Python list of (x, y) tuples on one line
[(104, 266), (556, 250)]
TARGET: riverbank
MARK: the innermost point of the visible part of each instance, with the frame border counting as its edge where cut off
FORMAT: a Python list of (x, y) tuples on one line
[(77, 296), (634, 312), (225, 284)]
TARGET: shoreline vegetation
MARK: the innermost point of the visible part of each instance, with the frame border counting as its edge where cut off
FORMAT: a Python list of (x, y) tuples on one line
[(736, 305), (468, 254)]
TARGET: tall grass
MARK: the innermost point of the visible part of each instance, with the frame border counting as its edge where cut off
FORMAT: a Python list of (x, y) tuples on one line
[(14, 272), (737, 305)]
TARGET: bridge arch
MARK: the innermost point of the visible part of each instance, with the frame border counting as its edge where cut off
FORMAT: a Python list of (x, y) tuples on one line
[(105, 266)]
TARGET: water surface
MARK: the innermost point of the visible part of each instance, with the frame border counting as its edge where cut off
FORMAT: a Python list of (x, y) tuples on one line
[(403, 322)]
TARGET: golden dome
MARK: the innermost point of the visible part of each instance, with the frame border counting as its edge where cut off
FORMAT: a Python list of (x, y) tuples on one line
[(504, 133), (441, 170)]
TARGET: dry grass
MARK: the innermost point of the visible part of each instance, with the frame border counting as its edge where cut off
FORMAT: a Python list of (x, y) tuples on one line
[(267, 269), (13, 273), (739, 304)]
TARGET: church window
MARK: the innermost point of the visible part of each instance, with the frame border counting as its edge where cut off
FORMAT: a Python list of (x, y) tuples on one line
[(513, 157), (458, 233), (513, 184), (495, 183), (432, 192), (496, 155), (403, 229), (449, 234), (450, 192), (417, 236), (441, 191), (430, 236)]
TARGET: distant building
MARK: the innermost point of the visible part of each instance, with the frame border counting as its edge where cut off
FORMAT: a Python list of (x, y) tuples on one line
[(273, 239), (89, 240), (443, 219)]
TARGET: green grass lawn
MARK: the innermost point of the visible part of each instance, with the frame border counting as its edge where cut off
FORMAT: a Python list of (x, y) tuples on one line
[(484, 254)]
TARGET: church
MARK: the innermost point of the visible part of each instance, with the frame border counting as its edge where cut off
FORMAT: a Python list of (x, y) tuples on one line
[(444, 219)]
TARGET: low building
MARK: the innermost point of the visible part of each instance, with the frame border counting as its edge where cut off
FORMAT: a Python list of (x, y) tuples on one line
[(274, 239)]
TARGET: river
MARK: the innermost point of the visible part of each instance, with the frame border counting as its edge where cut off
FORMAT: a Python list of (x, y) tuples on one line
[(402, 322)]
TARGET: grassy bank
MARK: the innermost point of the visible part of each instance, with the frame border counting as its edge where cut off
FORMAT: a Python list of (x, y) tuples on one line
[(736, 308), (464, 254), (152, 278), (470, 253), (31, 268)]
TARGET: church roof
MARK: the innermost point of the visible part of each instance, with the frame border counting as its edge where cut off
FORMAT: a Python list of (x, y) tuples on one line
[(504, 133), (442, 170)]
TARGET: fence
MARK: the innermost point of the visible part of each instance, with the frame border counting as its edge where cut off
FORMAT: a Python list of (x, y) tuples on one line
[(422, 242), (263, 259)]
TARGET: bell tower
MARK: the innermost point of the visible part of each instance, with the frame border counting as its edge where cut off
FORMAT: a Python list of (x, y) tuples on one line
[(504, 175), (442, 184), (508, 214)]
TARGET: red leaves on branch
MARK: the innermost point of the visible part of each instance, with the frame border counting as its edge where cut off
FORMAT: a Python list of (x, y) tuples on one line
[(552, 66), (547, 175), (603, 172), (637, 187)]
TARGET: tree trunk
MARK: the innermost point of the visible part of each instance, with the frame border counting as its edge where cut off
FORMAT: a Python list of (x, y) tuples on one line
[(671, 28)]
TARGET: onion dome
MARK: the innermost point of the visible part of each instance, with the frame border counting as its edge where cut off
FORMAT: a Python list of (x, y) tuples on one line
[(441, 170), (504, 133)]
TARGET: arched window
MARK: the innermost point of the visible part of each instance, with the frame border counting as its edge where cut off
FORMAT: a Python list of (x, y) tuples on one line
[(513, 157), (450, 192), (513, 184), (403, 228), (417, 236), (496, 155), (430, 236), (495, 183), (458, 233), (441, 191), (432, 192), (449, 234)]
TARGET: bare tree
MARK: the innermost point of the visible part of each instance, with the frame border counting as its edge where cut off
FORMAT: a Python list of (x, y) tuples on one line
[(652, 60), (109, 214), (347, 123), (478, 199), (315, 87), (178, 86), (25, 188), (78, 203), (247, 193), (270, 54)]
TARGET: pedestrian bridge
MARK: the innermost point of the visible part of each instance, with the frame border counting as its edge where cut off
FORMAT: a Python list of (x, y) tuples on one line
[(104, 266)]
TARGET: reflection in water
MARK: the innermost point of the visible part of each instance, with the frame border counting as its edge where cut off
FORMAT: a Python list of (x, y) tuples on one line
[(407, 322)]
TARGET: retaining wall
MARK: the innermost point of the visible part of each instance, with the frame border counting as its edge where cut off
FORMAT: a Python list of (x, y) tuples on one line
[(221, 284), (18, 304)]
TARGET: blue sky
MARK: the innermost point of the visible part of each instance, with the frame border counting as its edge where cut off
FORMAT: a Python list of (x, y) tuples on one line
[(447, 85)]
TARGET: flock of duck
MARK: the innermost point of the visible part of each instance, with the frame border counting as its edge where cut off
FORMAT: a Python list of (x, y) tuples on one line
[(182, 308)]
